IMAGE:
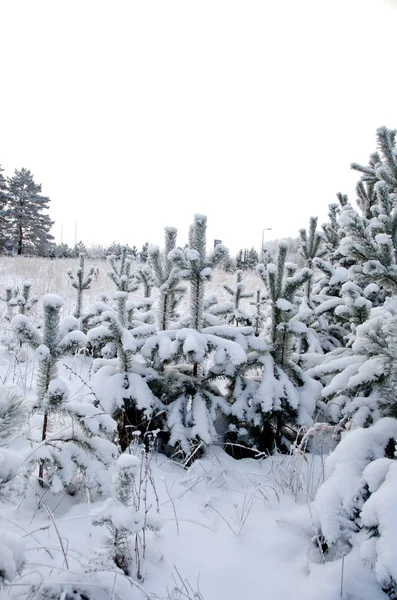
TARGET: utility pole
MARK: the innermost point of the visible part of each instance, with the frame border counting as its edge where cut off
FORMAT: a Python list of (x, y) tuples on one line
[(262, 255)]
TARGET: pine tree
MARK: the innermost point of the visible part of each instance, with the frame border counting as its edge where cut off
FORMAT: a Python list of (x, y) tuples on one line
[(3, 206), (189, 360), (65, 460), (79, 249), (354, 507), (14, 298), (167, 279), (359, 381), (29, 226), (258, 317), (121, 380), (81, 282), (126, 515), (332, 230), (144, 254), (13, 416), (120, 272), (270, 393), (144, 275), (310, 248), (232, 311)]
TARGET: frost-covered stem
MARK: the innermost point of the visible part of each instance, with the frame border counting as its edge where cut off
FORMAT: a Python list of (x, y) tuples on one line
[(309, 283), (79, 287), (196, 303), (164, 309), (257, 316), (274, 321), (144, 492), (80, 283), (47, 363), (283, 347), (138, 558), (9, 306), (43, 437)]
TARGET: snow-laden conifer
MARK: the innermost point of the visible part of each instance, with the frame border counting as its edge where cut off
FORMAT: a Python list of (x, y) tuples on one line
[(28, 224), (121, 273), (81, 282), (355, 504), (271, 393), (19, 300), (310, 248), (167, 279), (144, 275), (75, 456), (188, 360), (232, 312), (120, 376), (13, 415), (127, 516), (3, 204), (360, 381)]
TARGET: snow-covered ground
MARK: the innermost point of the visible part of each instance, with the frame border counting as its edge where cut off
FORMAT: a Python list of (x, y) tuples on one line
[(231, 529)]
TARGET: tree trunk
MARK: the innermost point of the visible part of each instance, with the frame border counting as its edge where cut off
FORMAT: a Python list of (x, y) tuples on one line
[(20, 240), (43, 437)]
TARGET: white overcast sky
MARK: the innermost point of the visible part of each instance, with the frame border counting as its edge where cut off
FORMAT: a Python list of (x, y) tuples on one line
[(136, 115)]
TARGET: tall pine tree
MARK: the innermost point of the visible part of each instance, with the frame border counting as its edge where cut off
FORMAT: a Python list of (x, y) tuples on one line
[(28, 223), (3, 204)]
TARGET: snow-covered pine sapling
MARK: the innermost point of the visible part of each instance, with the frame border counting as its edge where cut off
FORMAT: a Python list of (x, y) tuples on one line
[(200, 268), (381, 166), (13, 416), (144, 275), (310, 248), (126, 515), (81, 282), (55, 341), (258, 317), (120, 272), (189, 360), (235, 314), (332, 230), (23, 301), (270, 392), (283, 282), (167, 279), (141, 309), (120, 380), (358, 497), (360, 381), (196, 267)]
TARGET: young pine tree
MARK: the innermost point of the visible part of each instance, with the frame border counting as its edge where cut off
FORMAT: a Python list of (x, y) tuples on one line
[(74, 456), (167, 280), (81, 282), (190, 359), (121, 380), (127, 516), (13, 416), (120, 272), (270, 394), (310, 248)]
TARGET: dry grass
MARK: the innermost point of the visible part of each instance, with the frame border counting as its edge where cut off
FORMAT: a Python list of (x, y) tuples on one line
[(50, 276)]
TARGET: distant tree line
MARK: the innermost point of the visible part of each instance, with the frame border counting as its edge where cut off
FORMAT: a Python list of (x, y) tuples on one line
[(99, 252)]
